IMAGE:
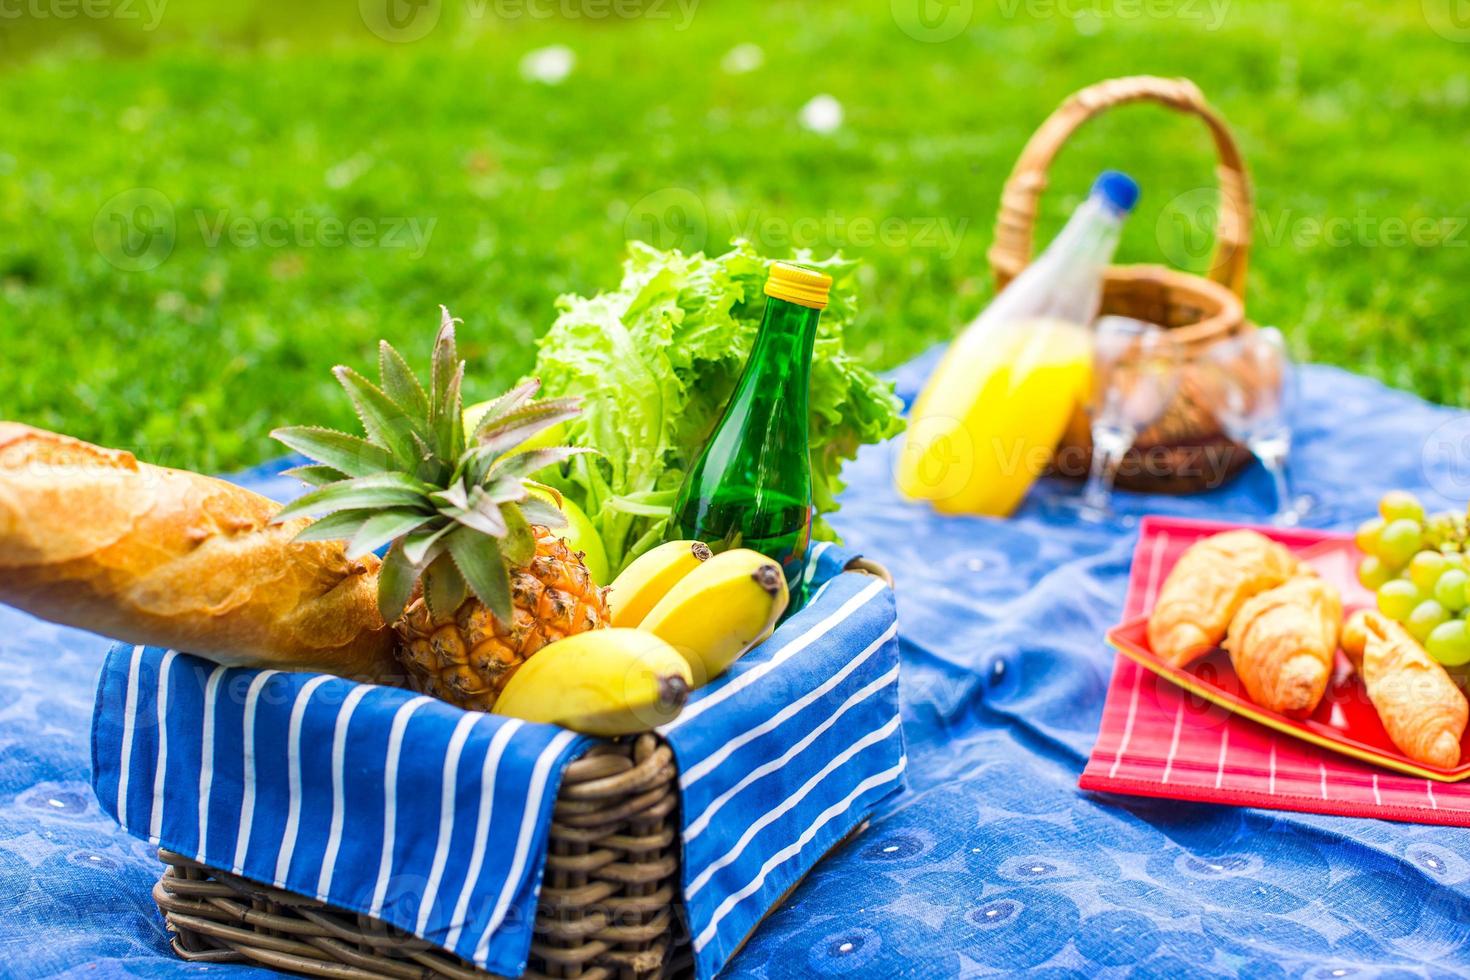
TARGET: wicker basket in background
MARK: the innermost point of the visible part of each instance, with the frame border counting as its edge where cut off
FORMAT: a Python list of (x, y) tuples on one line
[(608, 906), (1186, 451)]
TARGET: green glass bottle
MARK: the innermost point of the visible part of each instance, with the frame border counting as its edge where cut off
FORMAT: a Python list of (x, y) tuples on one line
[(752, 485)]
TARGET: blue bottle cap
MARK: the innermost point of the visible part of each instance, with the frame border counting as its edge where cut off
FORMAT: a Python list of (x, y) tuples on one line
[(1118, 189)]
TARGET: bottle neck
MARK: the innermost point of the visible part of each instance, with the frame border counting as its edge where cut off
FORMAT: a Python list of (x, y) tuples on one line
[(1090, 236), (783, 346)]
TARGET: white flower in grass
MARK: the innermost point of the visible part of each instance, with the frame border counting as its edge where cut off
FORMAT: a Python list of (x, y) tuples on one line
[(823, 114), (743, 58), (550, 65)]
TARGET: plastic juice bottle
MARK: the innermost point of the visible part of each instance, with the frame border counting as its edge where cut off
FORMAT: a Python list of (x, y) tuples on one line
[(985, 425), (752, 485)]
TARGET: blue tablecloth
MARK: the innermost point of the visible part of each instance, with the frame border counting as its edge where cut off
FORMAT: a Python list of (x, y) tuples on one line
[(992, 860)]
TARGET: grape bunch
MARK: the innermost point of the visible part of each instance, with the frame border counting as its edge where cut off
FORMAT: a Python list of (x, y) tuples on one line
[(1419, 567)]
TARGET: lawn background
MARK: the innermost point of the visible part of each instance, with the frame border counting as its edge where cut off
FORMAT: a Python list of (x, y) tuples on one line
[(1353, 117)]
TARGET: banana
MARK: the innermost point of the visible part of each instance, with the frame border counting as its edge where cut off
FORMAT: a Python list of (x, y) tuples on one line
[(650, 577), (602, 682), (720, 610)]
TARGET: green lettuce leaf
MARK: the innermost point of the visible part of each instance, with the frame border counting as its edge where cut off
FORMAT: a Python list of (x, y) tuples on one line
[(655, 361)]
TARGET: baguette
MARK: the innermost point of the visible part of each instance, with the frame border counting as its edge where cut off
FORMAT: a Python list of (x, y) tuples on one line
[(90, 537)]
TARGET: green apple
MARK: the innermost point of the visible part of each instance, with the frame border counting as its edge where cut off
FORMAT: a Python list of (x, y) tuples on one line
[(580, 535)]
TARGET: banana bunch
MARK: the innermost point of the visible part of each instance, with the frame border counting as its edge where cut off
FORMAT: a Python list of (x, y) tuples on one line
[(680, 617)]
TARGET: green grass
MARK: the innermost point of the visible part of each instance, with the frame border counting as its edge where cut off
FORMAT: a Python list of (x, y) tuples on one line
[(294, 113)]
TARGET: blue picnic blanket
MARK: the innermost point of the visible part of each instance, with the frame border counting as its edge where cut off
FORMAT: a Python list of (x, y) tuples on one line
[(991, 860)]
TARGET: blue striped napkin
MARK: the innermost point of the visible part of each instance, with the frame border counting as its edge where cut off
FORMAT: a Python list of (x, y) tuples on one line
[(434, 819), (786, 753)]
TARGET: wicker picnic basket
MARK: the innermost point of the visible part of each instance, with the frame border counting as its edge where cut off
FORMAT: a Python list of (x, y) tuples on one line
[(609, 903), (1186, 451)]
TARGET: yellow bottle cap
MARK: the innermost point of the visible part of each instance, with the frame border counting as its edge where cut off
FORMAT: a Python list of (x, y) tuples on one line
[(804, 287)]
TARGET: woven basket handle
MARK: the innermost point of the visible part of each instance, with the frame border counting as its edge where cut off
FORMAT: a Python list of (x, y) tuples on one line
[(1016, 222)]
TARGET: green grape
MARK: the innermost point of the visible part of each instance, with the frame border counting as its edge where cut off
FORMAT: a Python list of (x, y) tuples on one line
[(1425, 617), (1399, 541), (1367, 537), (1449, 643), (1425, 568), (1449, 591), (1396, 599), (1372, 572), (1400, 504)]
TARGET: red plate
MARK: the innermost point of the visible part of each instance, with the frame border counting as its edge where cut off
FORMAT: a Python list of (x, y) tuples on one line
[(1344, 722)]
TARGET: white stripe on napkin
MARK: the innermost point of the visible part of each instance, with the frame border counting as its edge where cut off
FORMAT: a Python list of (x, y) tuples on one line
[(206, 758), (707, 765), (130, 708), (539, 776), (702, 821), (488, 773), (390, 799), (247, 799), (293, 777), (812, 559), (782, 655), (794, 848), (733, 854), (447, 787), (155, 814), (339, 790)]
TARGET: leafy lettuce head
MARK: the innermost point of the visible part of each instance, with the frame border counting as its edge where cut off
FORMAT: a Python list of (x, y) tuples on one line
[(655, 361)]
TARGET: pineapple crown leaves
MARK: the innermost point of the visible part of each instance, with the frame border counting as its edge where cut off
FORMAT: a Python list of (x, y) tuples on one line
[(454, 506)]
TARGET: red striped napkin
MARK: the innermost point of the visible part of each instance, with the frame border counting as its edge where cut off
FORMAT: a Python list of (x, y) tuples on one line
[(1158, 740)]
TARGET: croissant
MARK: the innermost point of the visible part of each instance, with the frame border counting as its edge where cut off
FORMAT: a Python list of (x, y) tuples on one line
[(1421, 707), (1283, 642), (1210, 582)]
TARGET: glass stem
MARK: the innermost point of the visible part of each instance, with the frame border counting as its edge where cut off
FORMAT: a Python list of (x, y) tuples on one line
[(1108, 449), (1274, 460)]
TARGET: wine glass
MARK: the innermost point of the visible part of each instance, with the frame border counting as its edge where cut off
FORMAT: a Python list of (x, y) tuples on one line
[(1252, 389), (1135, 372)]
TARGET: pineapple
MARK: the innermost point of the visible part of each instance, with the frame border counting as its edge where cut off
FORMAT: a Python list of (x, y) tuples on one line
[(475, 581)]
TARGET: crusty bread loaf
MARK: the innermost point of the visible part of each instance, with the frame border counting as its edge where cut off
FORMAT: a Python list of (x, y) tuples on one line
[(90, 537)]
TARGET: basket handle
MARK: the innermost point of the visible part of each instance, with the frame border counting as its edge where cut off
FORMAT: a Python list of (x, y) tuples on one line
[(1016, 222)]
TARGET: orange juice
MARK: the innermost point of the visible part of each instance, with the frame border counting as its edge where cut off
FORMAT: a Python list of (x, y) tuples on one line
[(985, 426)]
